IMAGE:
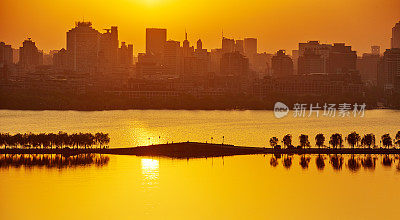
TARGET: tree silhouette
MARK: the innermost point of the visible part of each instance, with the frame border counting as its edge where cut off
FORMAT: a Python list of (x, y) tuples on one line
[(368, 140), (353, 139), (287, 140), (273, 141), (397, 139), (320, 140), (336, 140), (304, 142), (386, 140)]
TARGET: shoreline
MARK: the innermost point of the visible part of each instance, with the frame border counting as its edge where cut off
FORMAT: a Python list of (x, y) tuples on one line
[(198, 150)]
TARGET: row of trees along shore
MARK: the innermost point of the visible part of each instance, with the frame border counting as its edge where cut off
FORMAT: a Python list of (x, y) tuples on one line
[(336, 141), (51, 140)]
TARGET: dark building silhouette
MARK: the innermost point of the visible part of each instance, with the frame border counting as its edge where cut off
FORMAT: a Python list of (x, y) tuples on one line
[(228, 45), (83, 47), (234, 64), (60, 59), (155, 41), (376, 50), (395, 41), (239, 46), (125, 54), (29, 55), (282, 64), (321, 84), (203, 59), (389, 71), (147, 66), (316, 48), (6, 54), (108, 49), (341, 59), (250, 46), (310, 62), (172, 58), (367, 65)]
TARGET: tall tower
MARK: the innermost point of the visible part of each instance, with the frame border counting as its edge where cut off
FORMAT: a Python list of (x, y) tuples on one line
[(83, 47), (396, 36), (29, 55), (199, 45), (155, 41)]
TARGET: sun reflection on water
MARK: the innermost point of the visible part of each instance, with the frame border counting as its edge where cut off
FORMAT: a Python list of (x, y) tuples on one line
[(150, 171)]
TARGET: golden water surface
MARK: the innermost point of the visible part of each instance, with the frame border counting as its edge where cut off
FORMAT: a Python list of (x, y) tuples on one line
[(238, 187)]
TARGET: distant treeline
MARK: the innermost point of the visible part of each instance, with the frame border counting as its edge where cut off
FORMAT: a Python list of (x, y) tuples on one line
[(51, 140), (336, 141)]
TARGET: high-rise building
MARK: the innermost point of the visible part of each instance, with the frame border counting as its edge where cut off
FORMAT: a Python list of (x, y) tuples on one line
[(318, 49), (155, 41), (6, 54), (172, 58), (29, 55), (187, 49), (310, 62), (215, 60), (250, 46), (83, 47), (341, 59), (234, 64), (60, 59), (203, 59), (228, 45), (108, 48), (282, 64), (125, 54), (239, 47), (367, 65), (396, 36), (389, 70)]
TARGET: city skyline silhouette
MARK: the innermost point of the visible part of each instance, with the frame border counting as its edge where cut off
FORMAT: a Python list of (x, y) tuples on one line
[(279, 26)]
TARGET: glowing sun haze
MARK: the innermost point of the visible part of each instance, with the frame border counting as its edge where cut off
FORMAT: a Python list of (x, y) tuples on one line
[(278, 24)]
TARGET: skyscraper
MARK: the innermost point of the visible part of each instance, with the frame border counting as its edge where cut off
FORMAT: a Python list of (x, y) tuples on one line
[(83, 47), (389, 70), (29, 55), (318, 49), (250, 46), (367, 65), (282, 64), (228, 45), (6, 54), (125, 54), (239, 47), (396, 36), (310, 62), (234, 64), (108, 48), (155, 41), (172, 58), (341, 59)]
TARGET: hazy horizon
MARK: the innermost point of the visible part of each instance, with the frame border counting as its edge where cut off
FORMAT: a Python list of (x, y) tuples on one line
[(276, 24)]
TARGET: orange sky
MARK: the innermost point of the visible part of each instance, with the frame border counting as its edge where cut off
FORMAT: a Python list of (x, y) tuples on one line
[(278, 24)]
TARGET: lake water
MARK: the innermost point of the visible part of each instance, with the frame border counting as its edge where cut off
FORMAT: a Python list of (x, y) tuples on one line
[(237, 187)]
